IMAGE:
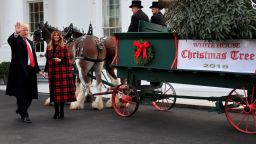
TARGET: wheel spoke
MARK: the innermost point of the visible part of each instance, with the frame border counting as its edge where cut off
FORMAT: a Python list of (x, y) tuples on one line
[(242, 99), (165, 103), (167, 90), (239, 109), (128, 100), (241, 120), (241, 104), (233, 117), (254, 119), (254, 102), (252, 95), (247, 123), (246, 96)]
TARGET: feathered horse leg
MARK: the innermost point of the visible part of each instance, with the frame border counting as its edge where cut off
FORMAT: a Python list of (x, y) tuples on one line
[(98, 103)]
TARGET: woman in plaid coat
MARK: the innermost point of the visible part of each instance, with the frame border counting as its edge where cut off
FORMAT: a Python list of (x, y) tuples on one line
[(59, 67)]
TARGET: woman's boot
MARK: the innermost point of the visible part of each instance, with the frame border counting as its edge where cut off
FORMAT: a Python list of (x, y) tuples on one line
[(61, 110), (57, 112)]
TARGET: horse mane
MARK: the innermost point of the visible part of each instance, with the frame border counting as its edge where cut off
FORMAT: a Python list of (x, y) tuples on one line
[(50, 27), (75, 29)]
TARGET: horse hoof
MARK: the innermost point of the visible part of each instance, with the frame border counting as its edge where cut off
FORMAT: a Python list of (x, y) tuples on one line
[(47, 102), (74, 106), (109, 104), (97, 106)]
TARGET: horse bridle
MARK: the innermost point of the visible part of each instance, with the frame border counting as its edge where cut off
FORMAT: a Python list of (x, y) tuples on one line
[(41, 38)]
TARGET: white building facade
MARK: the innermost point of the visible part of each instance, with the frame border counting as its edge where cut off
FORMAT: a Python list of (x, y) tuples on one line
[(106, 16)]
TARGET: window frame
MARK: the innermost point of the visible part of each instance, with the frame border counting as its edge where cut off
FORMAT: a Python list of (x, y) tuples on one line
[(107, 12), (40, 48)]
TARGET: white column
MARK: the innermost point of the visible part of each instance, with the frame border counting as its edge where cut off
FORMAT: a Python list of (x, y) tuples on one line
[(48, 11), (81, 13), (98, 17), (60, 12), (1, 19), (126, 14), (11, 12)]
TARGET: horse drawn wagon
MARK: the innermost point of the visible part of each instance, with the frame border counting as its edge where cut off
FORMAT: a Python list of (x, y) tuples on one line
[(153, 55), (157, 56)]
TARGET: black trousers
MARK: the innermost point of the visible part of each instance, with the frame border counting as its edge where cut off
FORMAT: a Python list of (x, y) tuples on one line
[(24, 101), (23, 104)]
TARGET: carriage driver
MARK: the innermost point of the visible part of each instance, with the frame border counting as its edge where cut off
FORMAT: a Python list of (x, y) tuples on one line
[(138, 15), (157, 17)]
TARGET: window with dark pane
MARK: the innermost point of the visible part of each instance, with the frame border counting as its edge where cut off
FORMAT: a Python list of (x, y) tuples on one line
[(36, 16)]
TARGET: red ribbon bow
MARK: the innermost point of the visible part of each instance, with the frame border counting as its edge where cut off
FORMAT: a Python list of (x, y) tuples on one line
[(141, 47)]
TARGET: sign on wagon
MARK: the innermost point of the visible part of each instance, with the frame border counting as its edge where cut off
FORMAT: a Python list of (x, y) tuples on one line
[(229, 56)]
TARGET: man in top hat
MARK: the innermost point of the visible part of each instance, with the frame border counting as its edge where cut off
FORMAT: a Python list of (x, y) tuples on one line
[(158, 17), (138, 15)]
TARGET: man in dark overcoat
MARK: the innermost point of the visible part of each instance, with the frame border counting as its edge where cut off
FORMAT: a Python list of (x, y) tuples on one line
[(157, 17), (22, 79), (138, 15)]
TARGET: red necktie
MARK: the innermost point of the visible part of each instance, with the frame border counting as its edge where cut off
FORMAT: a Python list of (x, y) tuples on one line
[(30, 54)]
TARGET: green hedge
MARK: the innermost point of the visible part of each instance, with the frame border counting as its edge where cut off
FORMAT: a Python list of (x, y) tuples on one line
[(4, 68)]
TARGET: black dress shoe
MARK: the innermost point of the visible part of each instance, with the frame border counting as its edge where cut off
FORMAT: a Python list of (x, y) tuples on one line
[(26, 120), (61, 116), (17, 111), (55, 116)]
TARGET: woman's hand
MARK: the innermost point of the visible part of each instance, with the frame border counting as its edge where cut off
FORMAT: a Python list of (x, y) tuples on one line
[(57, 59), (42, 74)]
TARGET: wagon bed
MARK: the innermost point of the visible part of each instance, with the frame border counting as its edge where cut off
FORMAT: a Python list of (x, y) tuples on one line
[(239, 105)]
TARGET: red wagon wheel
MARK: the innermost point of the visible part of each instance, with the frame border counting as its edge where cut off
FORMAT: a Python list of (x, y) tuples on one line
[(125, 100), (166, 103), (240, 110)]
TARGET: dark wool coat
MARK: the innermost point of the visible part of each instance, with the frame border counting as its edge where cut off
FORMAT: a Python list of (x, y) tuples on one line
[(158, 19), (140, 15), (60, 75), (17, 84)]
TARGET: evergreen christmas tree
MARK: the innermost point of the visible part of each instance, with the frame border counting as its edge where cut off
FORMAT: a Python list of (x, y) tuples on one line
[(212, 19)]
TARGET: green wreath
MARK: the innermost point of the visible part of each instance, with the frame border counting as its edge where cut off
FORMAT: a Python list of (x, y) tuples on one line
[(143, 52)]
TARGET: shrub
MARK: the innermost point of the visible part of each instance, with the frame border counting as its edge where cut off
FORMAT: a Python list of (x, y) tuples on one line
[(4, 68)]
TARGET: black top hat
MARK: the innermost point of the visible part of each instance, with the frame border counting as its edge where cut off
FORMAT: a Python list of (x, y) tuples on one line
[(156, 5), (136, 3)]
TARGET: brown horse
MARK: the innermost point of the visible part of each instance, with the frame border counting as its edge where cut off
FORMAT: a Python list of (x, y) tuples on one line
[(89, 55), (72, 33), (109, 44)]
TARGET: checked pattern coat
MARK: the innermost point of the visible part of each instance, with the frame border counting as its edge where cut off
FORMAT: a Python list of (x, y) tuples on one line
[(60, 75)]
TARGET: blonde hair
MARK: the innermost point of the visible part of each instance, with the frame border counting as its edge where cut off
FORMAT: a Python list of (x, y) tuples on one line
[(59, 43), (24, 25)]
